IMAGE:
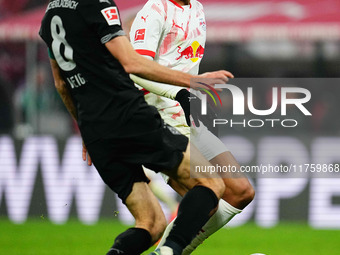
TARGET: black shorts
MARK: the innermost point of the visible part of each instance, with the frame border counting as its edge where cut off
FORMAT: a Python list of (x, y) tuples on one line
[(147, 141)]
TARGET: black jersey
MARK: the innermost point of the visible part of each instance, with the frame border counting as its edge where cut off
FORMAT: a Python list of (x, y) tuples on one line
[(76, 31)]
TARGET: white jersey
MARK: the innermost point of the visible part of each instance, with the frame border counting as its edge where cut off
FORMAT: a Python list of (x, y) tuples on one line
[(174, 36)]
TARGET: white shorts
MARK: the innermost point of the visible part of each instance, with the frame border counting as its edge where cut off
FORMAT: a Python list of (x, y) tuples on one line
[(206, 142)]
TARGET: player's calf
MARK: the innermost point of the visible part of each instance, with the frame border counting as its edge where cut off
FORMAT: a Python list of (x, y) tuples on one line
[(146, 210), (150, 222), (156, 228), (239, 192)]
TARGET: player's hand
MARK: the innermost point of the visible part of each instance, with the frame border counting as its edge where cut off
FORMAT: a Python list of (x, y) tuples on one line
[(209, 79), (221, 76), (86, 156)]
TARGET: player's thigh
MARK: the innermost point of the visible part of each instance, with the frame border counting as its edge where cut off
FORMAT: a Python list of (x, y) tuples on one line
[(176, 186), (232, 183), (238, 189), (186, 176)]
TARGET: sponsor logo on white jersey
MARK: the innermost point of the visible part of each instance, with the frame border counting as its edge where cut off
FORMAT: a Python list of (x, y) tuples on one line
[(194, 52)]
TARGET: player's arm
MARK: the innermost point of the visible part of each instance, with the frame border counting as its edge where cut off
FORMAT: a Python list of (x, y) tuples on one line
[(65, 95), (183, 96), (166, 90), (62, 89), (136, 64)]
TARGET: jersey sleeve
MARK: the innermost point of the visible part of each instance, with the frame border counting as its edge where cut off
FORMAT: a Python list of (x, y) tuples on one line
[(160, 89), (103, 17), (146, 30)]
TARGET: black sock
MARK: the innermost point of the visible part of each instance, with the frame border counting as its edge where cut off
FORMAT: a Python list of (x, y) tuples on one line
[(193, 213), (131, 242)]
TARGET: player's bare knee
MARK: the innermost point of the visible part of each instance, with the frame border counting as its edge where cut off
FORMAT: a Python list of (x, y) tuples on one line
[(248, 194), (215, 184), (242, 194), (183, 170)]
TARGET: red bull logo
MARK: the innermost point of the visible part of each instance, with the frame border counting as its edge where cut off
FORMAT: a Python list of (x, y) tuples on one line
[(194, 52)]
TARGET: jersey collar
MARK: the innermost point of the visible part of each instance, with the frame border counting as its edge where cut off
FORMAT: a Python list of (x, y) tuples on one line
[(179, 6)]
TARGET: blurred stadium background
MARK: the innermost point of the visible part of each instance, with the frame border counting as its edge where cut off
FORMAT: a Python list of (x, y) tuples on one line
[(44, 183)]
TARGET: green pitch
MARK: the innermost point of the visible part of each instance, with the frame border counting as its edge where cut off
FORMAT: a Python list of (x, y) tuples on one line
[(41, 237)]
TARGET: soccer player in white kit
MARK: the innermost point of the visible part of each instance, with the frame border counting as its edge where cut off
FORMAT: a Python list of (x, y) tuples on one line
[(173, 33)]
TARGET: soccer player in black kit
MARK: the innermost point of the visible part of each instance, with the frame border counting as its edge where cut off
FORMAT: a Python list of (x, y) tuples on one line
[(91, 59)]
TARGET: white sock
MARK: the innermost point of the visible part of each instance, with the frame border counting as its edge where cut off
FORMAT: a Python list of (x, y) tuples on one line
[(166, 250), (222, 216)]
